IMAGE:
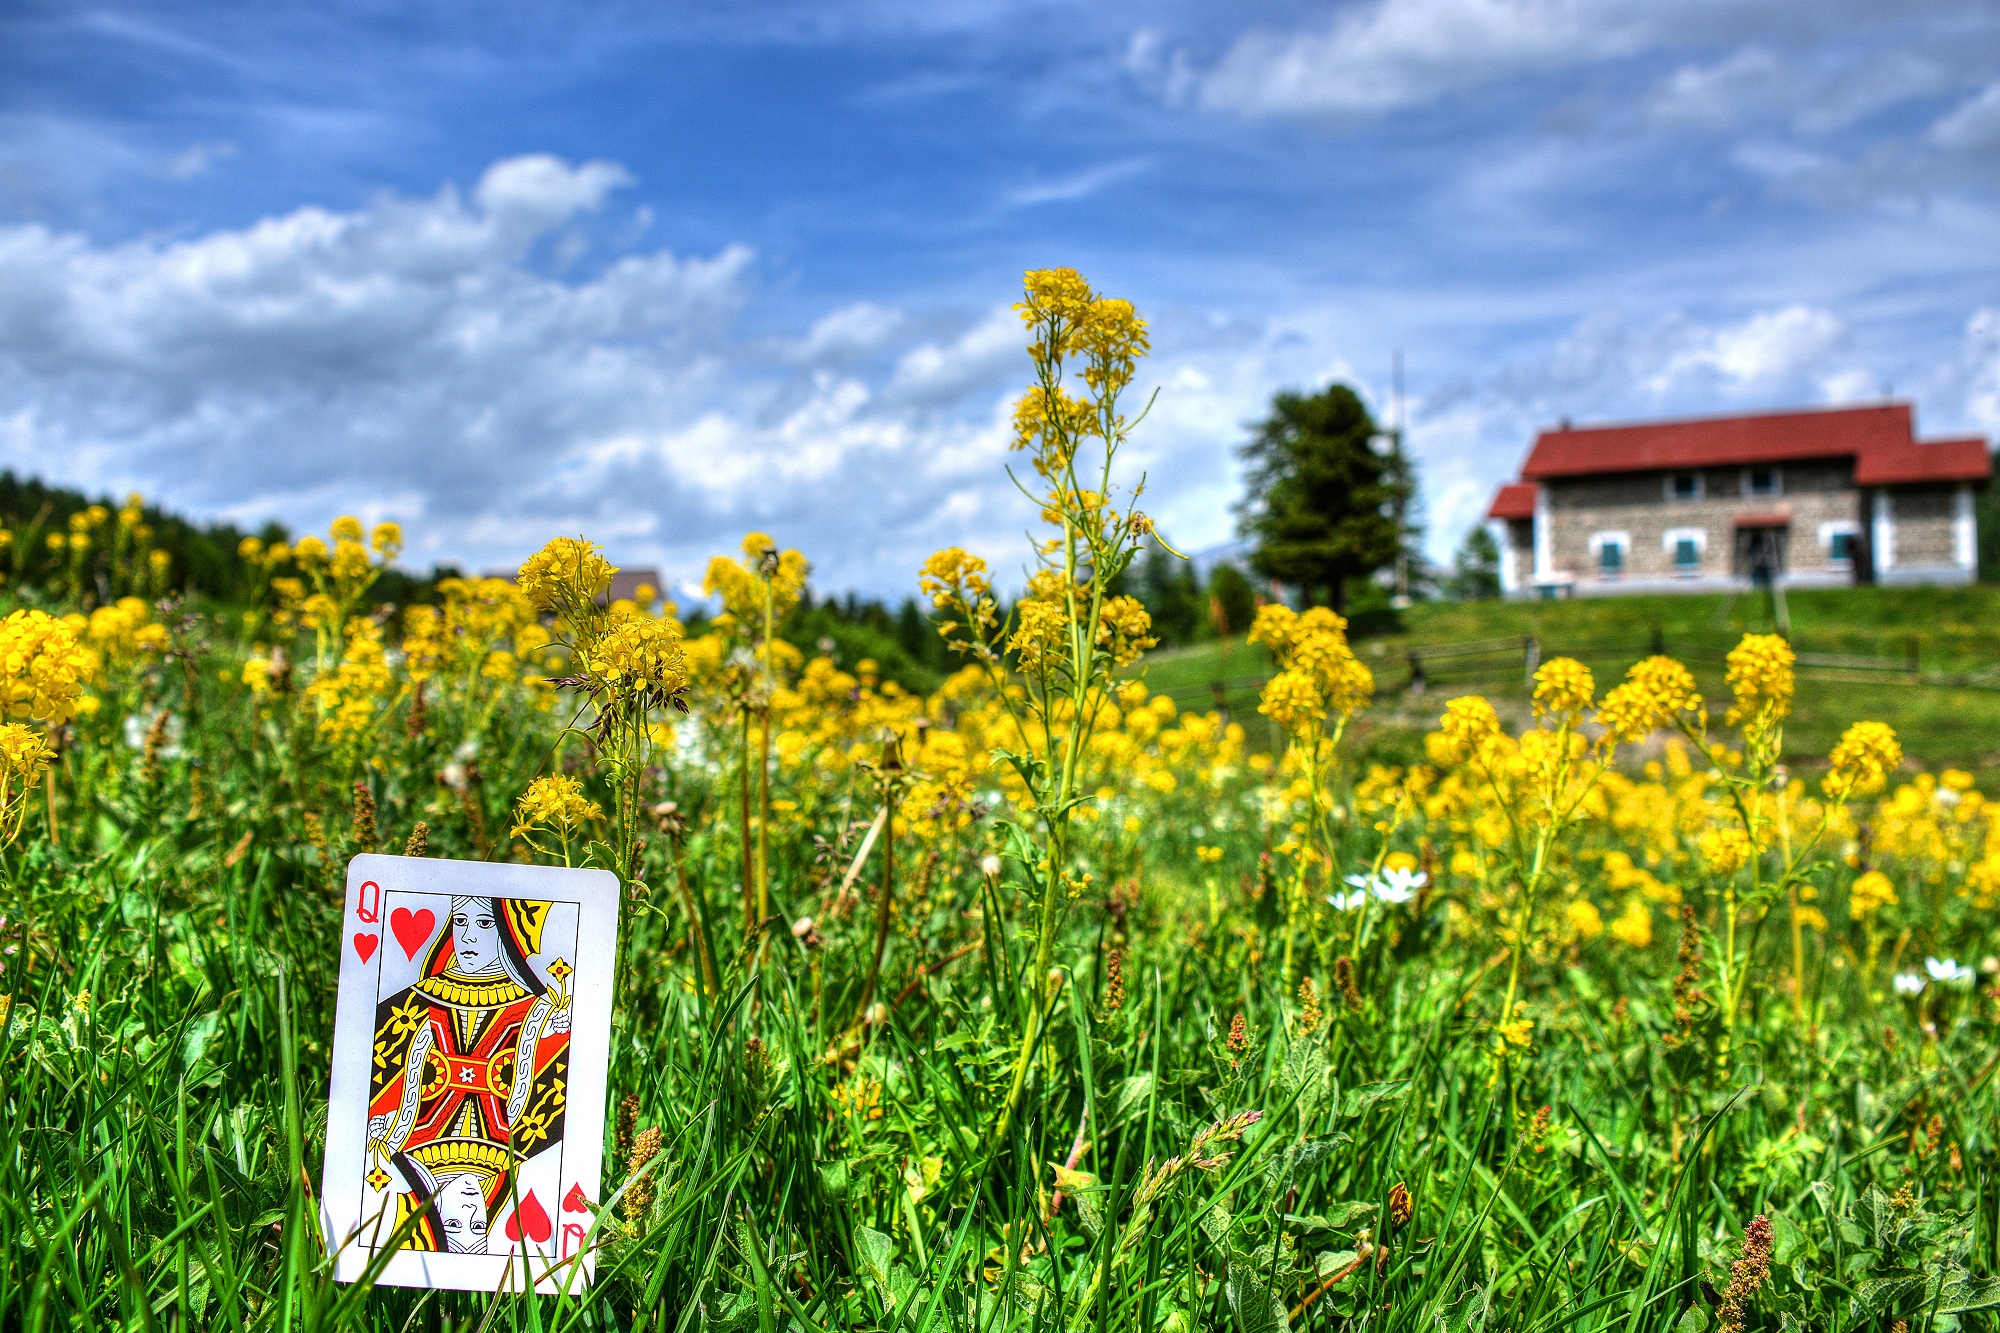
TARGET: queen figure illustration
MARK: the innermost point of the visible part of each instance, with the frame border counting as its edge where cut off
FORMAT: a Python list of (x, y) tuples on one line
[(470, 1073)]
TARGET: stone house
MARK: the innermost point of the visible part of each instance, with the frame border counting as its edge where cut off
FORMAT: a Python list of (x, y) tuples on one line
[(1812, 499)]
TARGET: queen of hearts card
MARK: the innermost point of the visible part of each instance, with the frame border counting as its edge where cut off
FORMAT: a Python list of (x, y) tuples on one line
[(465, 1117)]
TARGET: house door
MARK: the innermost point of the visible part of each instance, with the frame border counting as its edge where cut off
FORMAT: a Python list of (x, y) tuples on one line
[(1760, 554)]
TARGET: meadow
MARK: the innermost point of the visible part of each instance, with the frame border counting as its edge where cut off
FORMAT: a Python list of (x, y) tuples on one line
[(1043, 1001)]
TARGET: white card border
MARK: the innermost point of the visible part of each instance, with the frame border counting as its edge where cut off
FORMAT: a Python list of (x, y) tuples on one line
[(596, 894)]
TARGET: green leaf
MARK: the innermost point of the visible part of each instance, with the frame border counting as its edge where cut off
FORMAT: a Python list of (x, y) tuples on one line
[(1251, 1302), (1962, 1292), (1359, 1101), (1878, 1295), (1081, 1187), (1130, 1092), (1874, 1215), (1468, 1315), (877, 1255), (1694, 1319)]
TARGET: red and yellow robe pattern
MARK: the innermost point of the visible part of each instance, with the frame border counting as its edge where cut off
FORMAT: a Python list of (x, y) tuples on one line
[(470, 1075)]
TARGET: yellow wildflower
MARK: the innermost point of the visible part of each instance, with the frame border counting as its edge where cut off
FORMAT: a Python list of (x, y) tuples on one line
[(1861, 763), (1869, 894), (641, 655), (1726, 849), (1468, 724), (1563, 688), (1634, 926), (42, 668), (567, 572), (554, 802)]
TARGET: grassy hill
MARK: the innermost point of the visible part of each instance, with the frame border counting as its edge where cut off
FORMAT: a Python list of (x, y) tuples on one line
[(1857, 648)]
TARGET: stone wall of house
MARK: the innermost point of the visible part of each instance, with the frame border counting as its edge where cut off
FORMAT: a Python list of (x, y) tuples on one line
[(1817, 498), (1517, 553), (1924, 525)]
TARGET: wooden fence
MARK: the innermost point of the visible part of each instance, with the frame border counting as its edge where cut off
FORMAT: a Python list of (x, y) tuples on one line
[(1481, 661)]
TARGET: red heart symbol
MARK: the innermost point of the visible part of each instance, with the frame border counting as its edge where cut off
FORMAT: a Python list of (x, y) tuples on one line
[(364, 944), (574, 1202), (531, 1215), (412, 928)]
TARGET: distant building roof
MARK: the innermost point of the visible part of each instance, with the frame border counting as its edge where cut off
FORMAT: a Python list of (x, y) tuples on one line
[(624, 583), (627, 582), (1880, 439), (1515, 500)]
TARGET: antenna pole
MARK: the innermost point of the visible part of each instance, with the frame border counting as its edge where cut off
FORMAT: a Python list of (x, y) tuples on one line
[(1402, 476)]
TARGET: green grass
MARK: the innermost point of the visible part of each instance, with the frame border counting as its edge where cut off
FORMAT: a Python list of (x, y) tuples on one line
[(169, 967), (1951, 631)]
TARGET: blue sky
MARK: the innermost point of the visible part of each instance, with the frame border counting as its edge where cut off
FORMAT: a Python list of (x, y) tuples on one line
[(661, 273)]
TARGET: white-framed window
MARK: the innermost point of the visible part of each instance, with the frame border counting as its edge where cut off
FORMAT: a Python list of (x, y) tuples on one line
[(1684, 486), (1839, 540), (1608, 551), (1763, 482), (1685, 547)]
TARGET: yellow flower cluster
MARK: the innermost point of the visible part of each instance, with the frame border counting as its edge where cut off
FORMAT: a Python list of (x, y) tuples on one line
[(350, 698), (1869, 894), (485, 629), (769, 577), (1727, 849), (1318, 677), (1658, 692), (565, 574), (42, 668), (1563, 688), (1066, 318), (1861, 763), (124, 631), (24, 753), (554, 802), (1468, 726), (1760, 676), (640, 656)]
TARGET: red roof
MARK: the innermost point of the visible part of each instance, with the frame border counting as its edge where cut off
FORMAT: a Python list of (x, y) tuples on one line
[(1880, 439), (1931, 460), (1516, 500)]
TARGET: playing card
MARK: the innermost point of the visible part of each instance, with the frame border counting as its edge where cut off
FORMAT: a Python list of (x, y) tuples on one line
[(465, 1119)]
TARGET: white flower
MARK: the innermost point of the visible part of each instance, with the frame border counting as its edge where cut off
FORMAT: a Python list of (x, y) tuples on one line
[(1399, 885), (1347, 902), (1909, 983), (1948, 971), (1391, 886), (990, 866)]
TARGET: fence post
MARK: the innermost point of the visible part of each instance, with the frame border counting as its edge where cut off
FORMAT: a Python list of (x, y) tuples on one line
[(1418, 681), (1910, 651), (1531, 655), (1220, 694), (1659, 644)]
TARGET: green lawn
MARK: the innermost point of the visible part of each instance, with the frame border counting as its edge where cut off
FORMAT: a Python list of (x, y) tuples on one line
[(1949, 632)]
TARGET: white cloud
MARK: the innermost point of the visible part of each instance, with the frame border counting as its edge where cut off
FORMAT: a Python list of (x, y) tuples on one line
[(199, 159), (411, 354), (1715, 95), (1077, 185), (1772, 348), (1973, 126), (855, 330), (1395, 53), (936, 373)]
